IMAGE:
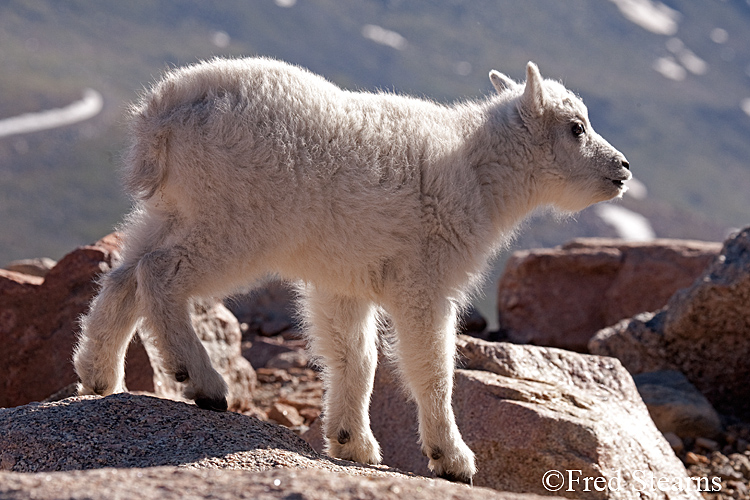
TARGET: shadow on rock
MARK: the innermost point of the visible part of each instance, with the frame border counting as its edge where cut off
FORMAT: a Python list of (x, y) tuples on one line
[(126, 430)]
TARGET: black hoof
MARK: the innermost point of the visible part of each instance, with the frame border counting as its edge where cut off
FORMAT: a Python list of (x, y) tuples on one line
[(344, 437), (456, 478), (214, 404)]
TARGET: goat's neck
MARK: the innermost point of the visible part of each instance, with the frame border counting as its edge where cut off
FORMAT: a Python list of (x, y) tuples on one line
[(504, 165)]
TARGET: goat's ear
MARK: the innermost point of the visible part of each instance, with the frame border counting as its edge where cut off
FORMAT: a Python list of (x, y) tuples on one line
[(501, 82), (533, 94)]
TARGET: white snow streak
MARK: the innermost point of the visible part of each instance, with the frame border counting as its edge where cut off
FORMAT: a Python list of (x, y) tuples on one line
[(380, 35), (652, 16), (630, 226), (88, 107)]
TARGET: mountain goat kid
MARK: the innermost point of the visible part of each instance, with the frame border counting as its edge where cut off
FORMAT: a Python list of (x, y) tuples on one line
[(374, 201)]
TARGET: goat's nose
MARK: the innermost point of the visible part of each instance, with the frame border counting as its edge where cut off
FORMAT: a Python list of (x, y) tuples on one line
[(626, 164)]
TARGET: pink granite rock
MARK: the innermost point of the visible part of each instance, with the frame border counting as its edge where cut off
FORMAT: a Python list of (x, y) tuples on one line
[(526, 410), (704, 331), (39, 320), (561, 297)]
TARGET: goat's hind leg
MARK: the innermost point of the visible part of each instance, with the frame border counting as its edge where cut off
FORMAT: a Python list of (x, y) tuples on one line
[(106, 331), (343, 334), (166, 279)]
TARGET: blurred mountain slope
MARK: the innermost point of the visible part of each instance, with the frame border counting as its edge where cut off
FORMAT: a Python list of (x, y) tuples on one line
[(685, 134)]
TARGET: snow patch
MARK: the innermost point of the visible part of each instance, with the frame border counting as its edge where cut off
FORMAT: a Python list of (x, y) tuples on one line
[(221, 39), (745, 105), (719, 35), (669, 68), (687, 57), (88, 107), (380, 35), (636, 189), (463, 68), (652, 16), (630, 226)]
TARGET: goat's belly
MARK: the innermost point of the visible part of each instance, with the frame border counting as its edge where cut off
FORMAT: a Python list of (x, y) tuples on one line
[(350, 277)]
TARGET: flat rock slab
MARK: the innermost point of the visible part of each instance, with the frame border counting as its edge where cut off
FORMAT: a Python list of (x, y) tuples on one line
[(170, 483)]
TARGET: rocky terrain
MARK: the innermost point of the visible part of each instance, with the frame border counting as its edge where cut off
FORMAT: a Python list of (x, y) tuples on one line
[(637, 399), (128, 445), (562, 296)]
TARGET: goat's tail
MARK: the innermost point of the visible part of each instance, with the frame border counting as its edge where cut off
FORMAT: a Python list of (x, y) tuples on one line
[(147, 160)]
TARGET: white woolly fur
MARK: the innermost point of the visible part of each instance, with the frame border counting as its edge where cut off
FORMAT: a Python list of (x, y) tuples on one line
[(373, 202)]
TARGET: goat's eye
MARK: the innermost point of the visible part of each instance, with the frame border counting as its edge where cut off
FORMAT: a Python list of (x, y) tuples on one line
[(578, 129)]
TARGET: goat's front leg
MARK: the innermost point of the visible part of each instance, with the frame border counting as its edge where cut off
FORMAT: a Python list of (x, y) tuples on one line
[(426, 349), (343, 335)]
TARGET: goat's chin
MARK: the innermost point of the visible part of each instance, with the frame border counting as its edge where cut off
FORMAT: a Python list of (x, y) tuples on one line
[(570, 207), (579, 200), (574, 197), (618, 192), (609, 191)]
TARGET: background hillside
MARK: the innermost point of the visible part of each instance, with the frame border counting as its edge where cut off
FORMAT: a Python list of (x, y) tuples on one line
[(665, 83)]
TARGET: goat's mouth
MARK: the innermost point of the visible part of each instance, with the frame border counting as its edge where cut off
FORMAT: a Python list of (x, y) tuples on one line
[(618, 181), (618, 186)]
